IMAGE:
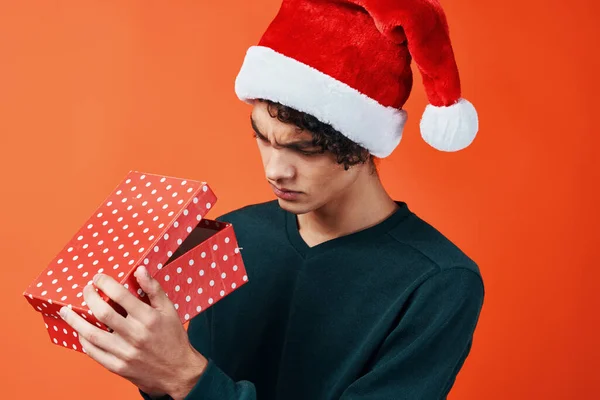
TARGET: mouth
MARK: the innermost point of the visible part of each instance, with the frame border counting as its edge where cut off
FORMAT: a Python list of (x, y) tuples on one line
[(285, 193)]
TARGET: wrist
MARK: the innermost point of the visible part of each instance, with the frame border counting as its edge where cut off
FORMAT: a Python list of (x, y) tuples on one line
[(191, 372)]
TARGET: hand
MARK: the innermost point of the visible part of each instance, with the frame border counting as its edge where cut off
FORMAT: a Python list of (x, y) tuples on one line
[(149, 347)]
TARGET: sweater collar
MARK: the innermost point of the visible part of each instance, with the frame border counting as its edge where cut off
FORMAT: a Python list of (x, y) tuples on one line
[(371, 233)]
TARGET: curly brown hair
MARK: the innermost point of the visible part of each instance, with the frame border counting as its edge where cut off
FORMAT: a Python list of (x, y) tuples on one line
[(324, 135)]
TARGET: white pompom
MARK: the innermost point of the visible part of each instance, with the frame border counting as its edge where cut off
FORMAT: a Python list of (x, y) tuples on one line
[(450, 128)]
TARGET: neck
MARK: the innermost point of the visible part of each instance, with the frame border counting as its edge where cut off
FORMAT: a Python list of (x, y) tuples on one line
[(364, 204)]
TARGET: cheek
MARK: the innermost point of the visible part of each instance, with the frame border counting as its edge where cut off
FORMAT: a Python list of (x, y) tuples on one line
[(325, 174)]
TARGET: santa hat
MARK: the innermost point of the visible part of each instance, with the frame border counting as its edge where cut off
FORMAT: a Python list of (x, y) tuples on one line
[(347, 62)]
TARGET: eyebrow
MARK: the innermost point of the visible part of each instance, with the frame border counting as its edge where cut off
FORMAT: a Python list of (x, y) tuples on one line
[(299, 144)]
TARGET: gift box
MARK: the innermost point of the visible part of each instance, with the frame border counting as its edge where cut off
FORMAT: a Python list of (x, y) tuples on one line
[(150, 220)]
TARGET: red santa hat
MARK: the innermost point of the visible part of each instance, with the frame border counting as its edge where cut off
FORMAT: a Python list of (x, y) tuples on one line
[(347, 62)]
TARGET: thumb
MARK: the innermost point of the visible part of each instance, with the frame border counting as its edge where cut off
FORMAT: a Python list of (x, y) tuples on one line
[(156, 294)]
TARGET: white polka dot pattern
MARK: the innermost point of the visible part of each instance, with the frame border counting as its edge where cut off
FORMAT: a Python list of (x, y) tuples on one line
[(142, 222), (205, 274)]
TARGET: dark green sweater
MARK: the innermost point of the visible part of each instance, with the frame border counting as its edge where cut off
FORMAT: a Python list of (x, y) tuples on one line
[(385, 313)]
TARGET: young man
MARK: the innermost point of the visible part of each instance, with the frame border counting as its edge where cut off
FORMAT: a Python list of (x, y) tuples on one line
[(350, 295)]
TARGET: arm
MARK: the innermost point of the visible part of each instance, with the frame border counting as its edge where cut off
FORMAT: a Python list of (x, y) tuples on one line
[(421, 357), (213, 383)]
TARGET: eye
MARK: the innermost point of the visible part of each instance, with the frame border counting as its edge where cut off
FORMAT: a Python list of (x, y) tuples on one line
[(311, 153), (257, 136)]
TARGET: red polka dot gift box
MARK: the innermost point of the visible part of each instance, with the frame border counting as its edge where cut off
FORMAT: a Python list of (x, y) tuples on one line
[(150, 220)]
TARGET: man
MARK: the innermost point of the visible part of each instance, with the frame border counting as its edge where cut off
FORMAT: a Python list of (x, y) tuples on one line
[(350, 295)]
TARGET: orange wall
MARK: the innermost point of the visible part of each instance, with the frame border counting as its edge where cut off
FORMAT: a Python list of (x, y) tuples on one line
[(92, 89)]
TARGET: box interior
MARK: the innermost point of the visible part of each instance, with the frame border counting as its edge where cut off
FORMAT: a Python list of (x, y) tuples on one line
[(198, 235)]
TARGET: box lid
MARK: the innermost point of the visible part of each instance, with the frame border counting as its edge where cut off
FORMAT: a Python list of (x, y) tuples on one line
[(142, 222)]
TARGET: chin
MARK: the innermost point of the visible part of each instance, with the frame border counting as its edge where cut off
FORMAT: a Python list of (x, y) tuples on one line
[(294, 207)]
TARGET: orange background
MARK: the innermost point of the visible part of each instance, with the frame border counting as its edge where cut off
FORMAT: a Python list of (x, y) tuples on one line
[(92, 89)]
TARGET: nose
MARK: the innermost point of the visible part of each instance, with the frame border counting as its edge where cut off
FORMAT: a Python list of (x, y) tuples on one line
[(278, 167)]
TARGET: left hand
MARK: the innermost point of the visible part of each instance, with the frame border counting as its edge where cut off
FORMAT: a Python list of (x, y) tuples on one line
[(149, 347)]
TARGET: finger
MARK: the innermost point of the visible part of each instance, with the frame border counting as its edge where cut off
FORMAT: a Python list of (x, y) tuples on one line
[(89, 332), (104, 358), (103, 311), (117, 292), (108, 342), (156, 295)]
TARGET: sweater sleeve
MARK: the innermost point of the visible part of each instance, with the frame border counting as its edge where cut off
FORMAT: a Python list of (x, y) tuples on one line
[(422, 355), (214, 384)]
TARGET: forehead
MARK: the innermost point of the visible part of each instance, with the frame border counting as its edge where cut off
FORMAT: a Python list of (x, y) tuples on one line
[(274, 129)]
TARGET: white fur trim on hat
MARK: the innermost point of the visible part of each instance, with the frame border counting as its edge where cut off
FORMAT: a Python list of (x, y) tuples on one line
[(270, 75)]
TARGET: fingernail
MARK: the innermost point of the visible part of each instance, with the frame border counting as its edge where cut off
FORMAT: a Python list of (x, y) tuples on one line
[(63, 312), (95, 278), (144, 271)]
